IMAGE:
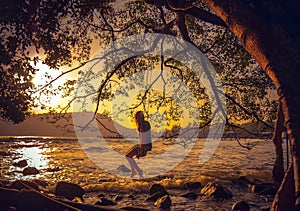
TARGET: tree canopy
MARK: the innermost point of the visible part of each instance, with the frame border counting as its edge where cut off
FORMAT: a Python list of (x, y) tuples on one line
[(63, 34)]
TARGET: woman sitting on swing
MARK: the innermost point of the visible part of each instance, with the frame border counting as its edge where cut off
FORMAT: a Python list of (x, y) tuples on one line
[(144, 145)]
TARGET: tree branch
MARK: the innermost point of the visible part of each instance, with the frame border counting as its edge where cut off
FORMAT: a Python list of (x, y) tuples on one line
[(189, 9)]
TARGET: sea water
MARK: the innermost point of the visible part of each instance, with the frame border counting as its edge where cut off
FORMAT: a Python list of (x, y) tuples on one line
[(63, 159)]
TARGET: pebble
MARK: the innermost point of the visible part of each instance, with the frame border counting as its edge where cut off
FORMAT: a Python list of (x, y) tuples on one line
[(30, 171), (263, 189), (22, 184), (190, 195), (105, 202), (164, 202), (241, 206), (193, 185), (4, 153), (21, 163)]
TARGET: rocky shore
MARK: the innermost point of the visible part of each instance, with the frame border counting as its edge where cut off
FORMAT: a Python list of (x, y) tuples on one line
[(38, 195), (55, 174)]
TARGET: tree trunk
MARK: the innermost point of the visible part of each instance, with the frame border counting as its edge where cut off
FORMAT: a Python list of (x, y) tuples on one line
[(285, 198), (278, 169), (269, 31)]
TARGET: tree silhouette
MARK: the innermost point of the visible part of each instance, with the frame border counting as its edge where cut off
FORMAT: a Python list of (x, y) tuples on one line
[(62, 33), (274, 43)]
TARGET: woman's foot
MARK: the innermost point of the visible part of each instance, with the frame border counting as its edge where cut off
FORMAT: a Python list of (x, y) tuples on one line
[(140, 172), (133, 173)]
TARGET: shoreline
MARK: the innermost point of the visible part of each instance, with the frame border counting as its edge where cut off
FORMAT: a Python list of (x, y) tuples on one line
[(182, 196), (65, 161)]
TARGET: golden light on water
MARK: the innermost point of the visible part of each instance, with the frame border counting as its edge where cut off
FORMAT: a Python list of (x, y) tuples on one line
[(35, 156)]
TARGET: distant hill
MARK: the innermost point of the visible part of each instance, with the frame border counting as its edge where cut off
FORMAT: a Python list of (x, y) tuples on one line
[(40, 125), (43, 125)]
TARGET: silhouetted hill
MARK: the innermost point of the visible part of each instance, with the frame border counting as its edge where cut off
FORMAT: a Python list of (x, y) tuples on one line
[(46, 125)]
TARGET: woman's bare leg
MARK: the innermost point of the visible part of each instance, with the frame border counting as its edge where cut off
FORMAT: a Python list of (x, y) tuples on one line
[(133, 165)]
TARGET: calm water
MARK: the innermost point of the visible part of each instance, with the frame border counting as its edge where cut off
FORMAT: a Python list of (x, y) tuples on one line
[(60, 159)]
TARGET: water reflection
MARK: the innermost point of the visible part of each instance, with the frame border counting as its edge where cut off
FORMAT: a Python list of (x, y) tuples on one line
[(34, 156)]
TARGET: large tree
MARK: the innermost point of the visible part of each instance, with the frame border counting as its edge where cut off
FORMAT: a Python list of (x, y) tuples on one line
[(62, 32), (269, 31)]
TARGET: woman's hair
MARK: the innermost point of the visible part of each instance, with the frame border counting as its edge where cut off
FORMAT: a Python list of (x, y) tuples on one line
[(139, 116)]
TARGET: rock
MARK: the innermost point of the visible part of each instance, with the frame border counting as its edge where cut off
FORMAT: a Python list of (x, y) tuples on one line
[(132, 197), (30, 171), (21, 163), (118, 198), (192, 185), (157, 188), (22, 184), (242, 181), (4, 183), (156, 196), (164, 202), (68, 190), (27, 200), (77, 200), (266, 208), (105, 202), (133, 209), (111, 195), (4, 153), (34, 200), (190, 195), (42, 183), (101, 195), (241, 205), (263, 188), (123, 168), (53, 169), (216, 190)]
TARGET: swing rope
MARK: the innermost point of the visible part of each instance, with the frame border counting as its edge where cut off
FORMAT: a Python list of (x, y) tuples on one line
[(148, 78), (287, 147)]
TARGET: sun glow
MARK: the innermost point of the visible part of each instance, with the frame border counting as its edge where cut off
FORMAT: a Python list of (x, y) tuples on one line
[(47, 94)]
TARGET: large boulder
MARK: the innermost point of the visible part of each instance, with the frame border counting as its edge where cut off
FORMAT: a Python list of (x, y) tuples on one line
[(216, 190), (69, 190)]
